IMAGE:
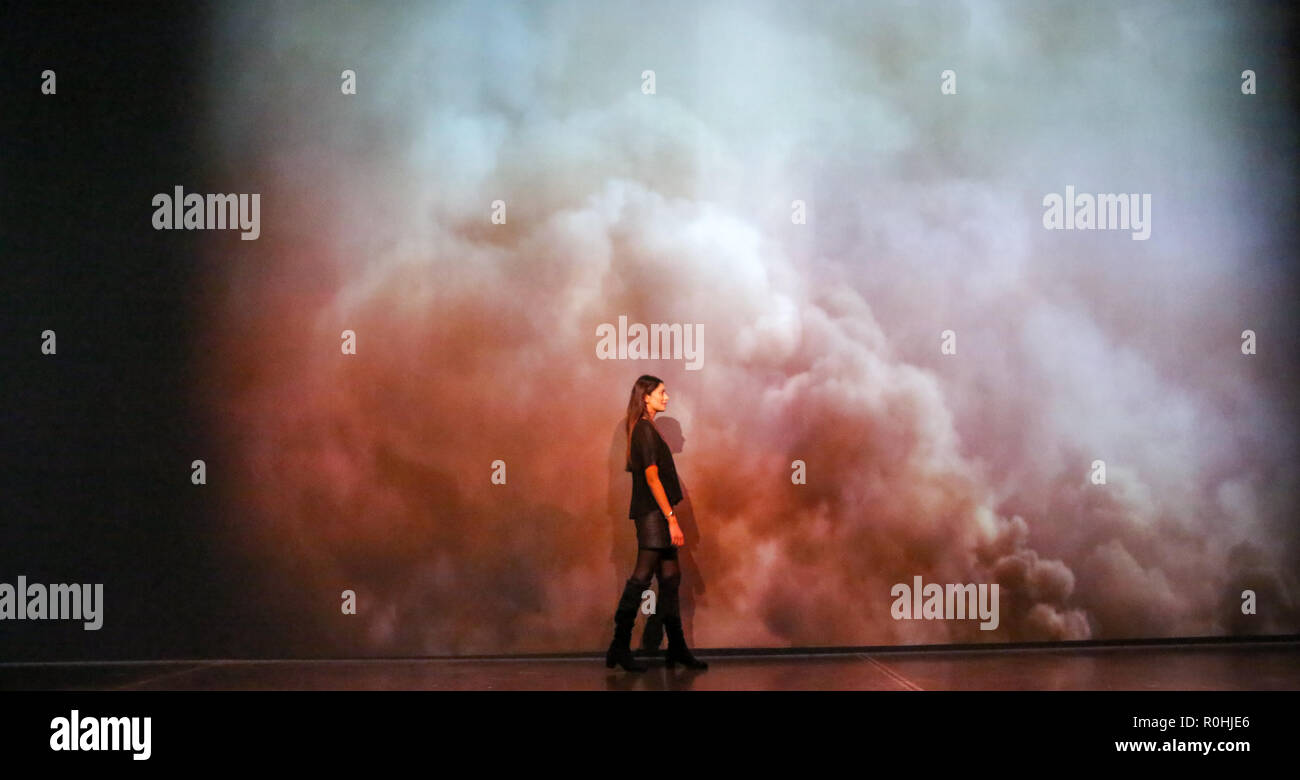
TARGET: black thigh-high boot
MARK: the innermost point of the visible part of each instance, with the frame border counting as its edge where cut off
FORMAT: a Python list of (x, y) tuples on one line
[(652, 636), (678, 652), (620, 650)]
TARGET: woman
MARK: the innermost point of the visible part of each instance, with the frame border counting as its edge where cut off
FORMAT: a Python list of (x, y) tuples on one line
[(654, 492)]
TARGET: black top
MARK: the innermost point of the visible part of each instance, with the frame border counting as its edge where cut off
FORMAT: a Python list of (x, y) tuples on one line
[(650, 449)]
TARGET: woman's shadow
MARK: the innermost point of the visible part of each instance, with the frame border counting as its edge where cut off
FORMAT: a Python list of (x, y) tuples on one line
[(623, 540)]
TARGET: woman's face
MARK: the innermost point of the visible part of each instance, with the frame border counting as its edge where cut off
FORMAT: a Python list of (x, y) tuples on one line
[(658, 400)]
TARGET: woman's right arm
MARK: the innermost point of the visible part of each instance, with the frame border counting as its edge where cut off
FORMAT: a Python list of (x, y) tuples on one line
[(661, 498)]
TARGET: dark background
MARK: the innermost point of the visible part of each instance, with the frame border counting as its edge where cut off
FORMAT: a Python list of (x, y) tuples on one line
[(96, 440)]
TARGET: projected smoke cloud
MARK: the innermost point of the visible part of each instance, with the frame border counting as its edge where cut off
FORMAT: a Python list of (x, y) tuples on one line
[(647, 162)]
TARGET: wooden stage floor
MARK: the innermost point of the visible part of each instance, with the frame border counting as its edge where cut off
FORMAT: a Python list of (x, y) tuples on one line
[(1246, 665)]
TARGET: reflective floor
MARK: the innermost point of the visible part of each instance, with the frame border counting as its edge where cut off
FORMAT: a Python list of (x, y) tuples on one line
[(1241, 666)]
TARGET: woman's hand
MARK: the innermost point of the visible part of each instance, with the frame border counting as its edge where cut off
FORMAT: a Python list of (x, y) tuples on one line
[(675, 531)]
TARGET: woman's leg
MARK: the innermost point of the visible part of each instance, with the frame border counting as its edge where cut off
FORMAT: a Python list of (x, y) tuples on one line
[(670, 576), (646, 562), (625, 615)]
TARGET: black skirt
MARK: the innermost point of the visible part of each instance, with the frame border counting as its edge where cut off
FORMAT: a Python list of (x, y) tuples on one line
[(652, 531)]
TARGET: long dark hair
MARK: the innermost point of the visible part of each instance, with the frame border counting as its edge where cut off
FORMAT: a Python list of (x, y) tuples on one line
[(645, 385)]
